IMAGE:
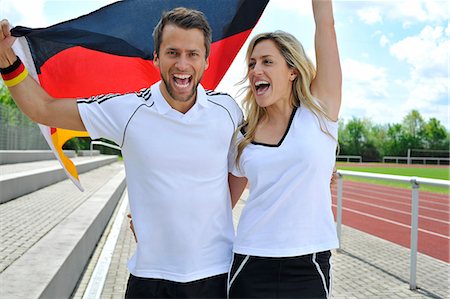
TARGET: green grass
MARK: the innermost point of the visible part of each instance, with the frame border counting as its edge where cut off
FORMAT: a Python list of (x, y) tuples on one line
[(431, 172)]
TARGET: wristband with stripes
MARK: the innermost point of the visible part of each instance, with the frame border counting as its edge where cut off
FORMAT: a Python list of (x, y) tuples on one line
[(14, 74)]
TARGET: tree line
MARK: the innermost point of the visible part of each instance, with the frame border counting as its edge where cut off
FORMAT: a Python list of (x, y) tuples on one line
[(359, 137), (373, 141)]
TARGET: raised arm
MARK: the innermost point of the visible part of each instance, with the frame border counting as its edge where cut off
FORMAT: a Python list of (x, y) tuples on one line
[(30, 97), (328, 81)]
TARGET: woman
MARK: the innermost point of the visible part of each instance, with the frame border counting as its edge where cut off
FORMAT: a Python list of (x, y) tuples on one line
[(286, 149)]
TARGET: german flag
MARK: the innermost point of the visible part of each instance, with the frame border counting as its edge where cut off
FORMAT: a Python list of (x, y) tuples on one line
[(111, 50)]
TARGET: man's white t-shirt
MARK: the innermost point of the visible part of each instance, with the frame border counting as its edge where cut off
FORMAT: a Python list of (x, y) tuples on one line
[(176, 169)]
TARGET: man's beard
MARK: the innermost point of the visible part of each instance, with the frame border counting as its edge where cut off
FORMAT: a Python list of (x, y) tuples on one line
[(175, 96)]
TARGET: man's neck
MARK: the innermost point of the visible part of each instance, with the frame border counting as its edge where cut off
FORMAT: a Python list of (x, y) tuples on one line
[(180, 106)]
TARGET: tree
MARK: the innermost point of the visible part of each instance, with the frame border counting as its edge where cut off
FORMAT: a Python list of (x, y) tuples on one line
[(379, 136), (5, 97), (356, 138), (352, 137), (413, 124), (395, 145), (435, 135)]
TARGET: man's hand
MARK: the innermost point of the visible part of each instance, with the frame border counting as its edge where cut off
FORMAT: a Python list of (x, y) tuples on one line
[(7, 55)]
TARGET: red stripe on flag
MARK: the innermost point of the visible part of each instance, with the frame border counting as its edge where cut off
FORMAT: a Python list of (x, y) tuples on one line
[(14, 73), (80, 73), (222, 55)]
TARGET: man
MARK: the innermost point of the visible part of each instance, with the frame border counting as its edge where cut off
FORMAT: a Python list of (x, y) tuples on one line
[(175, 138)]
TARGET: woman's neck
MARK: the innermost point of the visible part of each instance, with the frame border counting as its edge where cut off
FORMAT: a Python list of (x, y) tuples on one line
[(279, 112)]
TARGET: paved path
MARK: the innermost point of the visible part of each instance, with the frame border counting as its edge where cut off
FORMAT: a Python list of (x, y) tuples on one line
[(366, 267), (20, 167), (25, 220)]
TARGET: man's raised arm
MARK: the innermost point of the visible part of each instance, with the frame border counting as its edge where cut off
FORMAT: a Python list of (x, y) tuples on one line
[(29, 96)]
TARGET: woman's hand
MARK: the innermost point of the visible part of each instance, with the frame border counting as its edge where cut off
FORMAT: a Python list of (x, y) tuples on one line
[(132, 226)]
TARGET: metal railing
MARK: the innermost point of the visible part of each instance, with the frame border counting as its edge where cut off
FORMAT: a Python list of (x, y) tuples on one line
[(415, 184), (410, 160), (18, 132), (349, 158), (95, 142)]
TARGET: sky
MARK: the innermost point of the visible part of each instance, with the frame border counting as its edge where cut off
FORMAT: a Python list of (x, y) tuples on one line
[(394, 53)]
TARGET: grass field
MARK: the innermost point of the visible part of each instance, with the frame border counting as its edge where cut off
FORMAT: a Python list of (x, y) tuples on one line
[(441, 173)]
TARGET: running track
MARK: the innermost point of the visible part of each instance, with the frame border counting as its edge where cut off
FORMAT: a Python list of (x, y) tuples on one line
[(385, 212)]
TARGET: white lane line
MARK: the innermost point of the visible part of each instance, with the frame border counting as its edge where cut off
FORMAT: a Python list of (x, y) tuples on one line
[(407, 204), (395, 210), (405, 198), (393, 222), (98, 278)]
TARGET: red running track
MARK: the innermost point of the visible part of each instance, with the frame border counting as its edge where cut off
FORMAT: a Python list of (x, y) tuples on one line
[(385, 212)]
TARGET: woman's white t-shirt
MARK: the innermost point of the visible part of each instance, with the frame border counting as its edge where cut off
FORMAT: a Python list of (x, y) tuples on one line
[(288, 211)]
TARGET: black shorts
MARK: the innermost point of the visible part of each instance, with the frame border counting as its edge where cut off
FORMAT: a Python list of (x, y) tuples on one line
[(306, 276), (211, 287)]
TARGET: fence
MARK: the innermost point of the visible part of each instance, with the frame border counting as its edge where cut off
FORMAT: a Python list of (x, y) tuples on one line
[(415, 183), (96, 142), (411, 160), (347, 158), (17, 132)]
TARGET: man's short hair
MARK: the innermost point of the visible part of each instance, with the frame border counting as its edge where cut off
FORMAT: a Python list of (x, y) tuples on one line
[(184, 18)]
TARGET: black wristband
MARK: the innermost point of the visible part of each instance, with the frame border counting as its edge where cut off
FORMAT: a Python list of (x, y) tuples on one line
[(12, 67)]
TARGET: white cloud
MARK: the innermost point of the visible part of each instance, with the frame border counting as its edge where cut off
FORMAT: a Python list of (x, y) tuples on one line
[(384, 40), (406, 11), (429, 96), (427, 53), (365, 88), (425, 92), (370, 77), (412, 11), (42, 13), (370, 15), (437, 10), (302, 7), (24, 12)]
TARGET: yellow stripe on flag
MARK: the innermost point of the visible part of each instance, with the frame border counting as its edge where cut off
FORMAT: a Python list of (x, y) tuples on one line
[(59, 138)]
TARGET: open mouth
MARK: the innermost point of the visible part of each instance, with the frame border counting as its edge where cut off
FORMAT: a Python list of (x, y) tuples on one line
[(182, 80), (261, 87)]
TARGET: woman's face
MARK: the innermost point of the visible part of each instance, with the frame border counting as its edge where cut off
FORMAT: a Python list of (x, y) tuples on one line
[(269, 75)]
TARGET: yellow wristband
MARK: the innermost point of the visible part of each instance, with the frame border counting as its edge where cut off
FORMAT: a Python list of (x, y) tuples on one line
[(16, 80)]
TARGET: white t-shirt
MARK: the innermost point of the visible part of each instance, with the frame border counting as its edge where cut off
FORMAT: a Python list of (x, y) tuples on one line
[(177, 168), (288, 211)]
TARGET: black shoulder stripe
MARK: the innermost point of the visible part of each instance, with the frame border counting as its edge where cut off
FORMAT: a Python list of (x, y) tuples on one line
[(229, 114), (144, 93), (99, 98), (108, 97), (215, 93), (128, 122)]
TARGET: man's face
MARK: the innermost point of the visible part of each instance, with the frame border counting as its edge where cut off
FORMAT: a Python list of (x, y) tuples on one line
[(181, 62)]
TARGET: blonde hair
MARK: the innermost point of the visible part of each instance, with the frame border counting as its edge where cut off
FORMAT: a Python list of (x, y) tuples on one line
[(295, 57)]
